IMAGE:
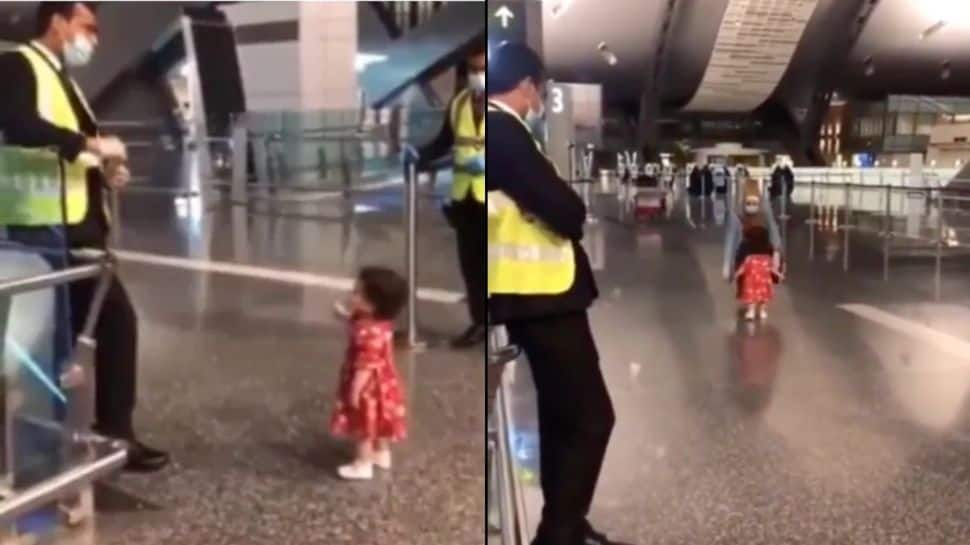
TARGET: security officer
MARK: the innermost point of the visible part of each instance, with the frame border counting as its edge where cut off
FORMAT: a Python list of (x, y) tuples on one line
[(463, 135), (540, 286), (41, 106)]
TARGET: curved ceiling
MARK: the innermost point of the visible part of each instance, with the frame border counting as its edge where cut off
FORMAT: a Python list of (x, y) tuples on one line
[(907, 46), (827, 56), (573, 31)]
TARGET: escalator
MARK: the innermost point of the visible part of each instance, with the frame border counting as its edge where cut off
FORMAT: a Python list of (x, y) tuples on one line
[(418, 54)]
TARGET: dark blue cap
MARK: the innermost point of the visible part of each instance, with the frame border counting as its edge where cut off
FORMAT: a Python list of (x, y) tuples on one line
[(511, 63)]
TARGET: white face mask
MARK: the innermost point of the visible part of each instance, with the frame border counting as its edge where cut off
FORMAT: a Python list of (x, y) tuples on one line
[(535, 114), (79, 51), (476, 81), (751, 208)]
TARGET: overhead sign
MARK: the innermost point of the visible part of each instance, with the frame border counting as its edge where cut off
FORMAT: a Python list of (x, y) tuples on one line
[(504, 14), (515, 21)]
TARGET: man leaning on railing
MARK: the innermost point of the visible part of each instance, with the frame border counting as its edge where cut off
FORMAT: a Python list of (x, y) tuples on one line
[(41, 106)]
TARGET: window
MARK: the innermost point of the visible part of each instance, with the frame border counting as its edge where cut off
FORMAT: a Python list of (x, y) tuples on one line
[(905, 124)]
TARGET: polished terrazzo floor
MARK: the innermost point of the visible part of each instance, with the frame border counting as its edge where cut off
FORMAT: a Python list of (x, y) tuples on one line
[(822, 426), (237, 376)]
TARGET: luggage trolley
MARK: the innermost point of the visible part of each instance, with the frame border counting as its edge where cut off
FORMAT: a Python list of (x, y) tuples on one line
[(643, 192), (649, 194), (50, 458)]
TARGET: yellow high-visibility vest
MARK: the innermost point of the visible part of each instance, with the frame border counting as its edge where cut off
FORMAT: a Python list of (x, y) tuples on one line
[(524, 256), (469, 146), (34, 175)]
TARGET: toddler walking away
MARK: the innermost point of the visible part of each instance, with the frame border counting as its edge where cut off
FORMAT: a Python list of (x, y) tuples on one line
[(370, 407), (757, 272)]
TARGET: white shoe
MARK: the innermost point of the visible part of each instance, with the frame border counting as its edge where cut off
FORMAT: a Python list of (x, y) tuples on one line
[(749, 315), (356, 471), (382, 459), (763, 314)]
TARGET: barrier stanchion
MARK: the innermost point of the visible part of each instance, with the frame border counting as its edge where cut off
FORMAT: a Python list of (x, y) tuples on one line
[(411, 257), (238, 191), (847, 226), (587, 182), (784, 200), (812, 220), (115, 232), (887, 233), (939, 245)]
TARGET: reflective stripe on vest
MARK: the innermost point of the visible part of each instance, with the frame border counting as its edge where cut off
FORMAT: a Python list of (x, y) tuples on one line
[(36, 203), (468, 149), (524, 256)]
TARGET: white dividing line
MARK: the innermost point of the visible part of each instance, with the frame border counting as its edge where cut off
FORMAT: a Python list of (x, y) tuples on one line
[(273, 275), (954, 346)]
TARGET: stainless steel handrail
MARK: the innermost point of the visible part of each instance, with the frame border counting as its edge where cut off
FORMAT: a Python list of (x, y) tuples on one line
[(60, 487), (37, 282)]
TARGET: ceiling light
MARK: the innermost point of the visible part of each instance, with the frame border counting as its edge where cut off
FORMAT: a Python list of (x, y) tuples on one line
[(932, 29), (560, 7), (607, 55), (947, 11)]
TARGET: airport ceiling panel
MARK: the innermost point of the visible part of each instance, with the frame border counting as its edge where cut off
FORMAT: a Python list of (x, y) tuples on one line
[(754, 46), (911, 47), (609, 42)]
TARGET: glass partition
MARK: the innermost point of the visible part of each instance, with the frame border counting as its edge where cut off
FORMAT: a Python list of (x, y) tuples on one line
[(332, 149)]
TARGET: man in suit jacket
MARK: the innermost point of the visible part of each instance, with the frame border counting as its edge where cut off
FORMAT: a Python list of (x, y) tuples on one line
[(41, 106)]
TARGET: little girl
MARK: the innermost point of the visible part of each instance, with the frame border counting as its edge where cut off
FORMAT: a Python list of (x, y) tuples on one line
[(370, 406), (757, 272)]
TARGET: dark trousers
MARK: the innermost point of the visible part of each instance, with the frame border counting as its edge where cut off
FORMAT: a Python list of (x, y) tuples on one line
[(116, 334), (575, 420), (468, 219)]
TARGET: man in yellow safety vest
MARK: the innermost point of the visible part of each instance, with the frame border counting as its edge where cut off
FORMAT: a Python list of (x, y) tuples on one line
[(42, 107), (540, 286), (463, 135)]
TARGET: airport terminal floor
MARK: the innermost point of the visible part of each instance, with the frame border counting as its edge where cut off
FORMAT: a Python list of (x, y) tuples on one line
[(238, 365), (841, 419)]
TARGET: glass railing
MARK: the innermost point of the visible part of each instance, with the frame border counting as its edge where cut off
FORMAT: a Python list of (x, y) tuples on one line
[(49, 457), (325, 150)]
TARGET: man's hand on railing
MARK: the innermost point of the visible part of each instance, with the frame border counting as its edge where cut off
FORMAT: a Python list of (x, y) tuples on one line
[(116, 174), (107, 147)]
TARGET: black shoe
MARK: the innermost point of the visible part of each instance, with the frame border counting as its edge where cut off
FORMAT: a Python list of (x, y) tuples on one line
[(473, 336), (592, 537), (144, 459)]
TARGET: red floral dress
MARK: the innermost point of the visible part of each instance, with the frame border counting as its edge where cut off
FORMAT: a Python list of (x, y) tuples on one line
[(755, 284), (381, 413)]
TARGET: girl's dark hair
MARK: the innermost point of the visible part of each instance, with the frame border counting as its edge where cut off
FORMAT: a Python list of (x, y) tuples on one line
[(757, 241), (385, 289)]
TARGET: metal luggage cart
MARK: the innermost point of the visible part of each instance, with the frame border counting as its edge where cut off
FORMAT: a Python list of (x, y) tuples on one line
[(50, 457)]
